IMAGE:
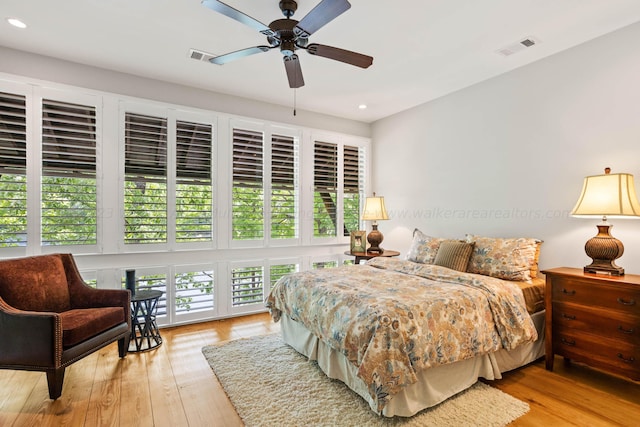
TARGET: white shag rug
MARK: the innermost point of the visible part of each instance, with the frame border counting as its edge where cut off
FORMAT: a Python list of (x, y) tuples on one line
[(271, 384)]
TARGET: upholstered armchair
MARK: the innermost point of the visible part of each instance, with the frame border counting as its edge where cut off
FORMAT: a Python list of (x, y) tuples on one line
[(50, 318)]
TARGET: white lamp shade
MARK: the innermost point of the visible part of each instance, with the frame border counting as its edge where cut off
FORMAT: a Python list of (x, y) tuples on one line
[(611, 195), (374, 209)]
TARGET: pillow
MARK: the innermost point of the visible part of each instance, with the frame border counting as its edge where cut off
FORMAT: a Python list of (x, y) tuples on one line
[(423, 248), (508, 259), (454, 254)]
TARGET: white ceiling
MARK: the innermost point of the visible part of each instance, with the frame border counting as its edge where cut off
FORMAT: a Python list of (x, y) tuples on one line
[(422, 49)]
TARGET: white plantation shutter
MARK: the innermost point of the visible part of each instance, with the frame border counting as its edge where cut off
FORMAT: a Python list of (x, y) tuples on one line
[(194, 184), (247, 286), (248, 188), (69, 209), (325, 189), (353, 187), (13, 170), (284, 187), (194, 291), (145, 168), (280, 270)]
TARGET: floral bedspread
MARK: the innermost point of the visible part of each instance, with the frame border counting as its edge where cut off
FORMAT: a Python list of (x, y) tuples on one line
[(392, 318)]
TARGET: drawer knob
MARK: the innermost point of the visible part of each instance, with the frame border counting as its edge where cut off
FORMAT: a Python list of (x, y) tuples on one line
[(624, 302), (625, 331), (625, 360), (568, 316), (572, 343), (573, 292)]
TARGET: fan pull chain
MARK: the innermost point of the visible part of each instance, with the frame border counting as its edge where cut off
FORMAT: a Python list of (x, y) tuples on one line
[(294, 102)]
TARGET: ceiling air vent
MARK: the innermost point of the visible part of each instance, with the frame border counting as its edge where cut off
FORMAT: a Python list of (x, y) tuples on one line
[(519, 46), (200, 55)]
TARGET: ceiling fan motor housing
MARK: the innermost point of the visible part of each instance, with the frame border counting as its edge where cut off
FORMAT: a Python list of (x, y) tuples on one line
[(287, 38)]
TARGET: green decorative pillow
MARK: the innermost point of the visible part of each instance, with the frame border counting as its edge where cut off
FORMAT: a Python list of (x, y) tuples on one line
[(508, 259), (423, 248), (454, 254)]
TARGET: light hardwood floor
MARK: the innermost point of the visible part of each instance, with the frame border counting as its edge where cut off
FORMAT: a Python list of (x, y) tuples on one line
[(173, 386)]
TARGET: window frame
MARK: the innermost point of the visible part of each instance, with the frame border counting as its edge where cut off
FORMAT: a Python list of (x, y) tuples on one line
[(108, 260), (308, 170), (26, 92), (267, 130), (172, 116), (35, 167)]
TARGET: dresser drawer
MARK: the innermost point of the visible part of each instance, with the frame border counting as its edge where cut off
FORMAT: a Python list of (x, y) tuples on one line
[(619, 357), (612, 296), (618, 326)]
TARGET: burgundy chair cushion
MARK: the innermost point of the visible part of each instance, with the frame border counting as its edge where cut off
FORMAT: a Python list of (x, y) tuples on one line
[(81, 324), (35, 284)]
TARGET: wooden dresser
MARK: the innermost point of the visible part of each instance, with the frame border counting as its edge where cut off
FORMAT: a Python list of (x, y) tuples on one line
[(593, 319)]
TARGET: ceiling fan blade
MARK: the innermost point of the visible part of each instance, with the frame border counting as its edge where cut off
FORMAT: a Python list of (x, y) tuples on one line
[(232, 13), (346, 56), (232, 56), (294, 72), (325, 12)]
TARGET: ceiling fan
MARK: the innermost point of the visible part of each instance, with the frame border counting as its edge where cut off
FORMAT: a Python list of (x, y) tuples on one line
[(290, 35)]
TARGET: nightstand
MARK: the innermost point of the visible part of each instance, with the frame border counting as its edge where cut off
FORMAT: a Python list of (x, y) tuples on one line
[(145, 334), (593, 319), (368, 255)]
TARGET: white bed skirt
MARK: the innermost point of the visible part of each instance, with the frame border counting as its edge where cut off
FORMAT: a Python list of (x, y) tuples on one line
[(434, 384)]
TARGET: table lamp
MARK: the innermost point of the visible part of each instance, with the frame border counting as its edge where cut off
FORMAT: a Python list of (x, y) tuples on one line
[(374, 210), (610, 195)]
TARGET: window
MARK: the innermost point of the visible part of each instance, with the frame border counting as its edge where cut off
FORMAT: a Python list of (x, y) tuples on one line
[(247, 286), (13, 170), (332, 195), (145, 170), (148, 279), (253, 167), (324, 264), (69, 201), (247, 185), (194, 291), (325, 189), (106, 175), (280, 270), (284, 187), (194, 188), (353, 187)]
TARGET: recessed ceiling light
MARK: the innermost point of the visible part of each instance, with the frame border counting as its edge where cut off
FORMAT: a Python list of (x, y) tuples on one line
[(16, 23), (362, 106)]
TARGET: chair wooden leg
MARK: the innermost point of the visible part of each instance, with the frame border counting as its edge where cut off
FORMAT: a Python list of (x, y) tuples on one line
[(123, 346), (55, 378)]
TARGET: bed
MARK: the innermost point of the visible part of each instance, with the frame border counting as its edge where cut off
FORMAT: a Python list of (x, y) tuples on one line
[(408, 334)]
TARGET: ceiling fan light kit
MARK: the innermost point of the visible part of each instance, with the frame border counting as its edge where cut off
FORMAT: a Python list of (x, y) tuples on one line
[(290, 35)]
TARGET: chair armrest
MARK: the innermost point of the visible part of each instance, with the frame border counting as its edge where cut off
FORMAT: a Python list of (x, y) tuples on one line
[(29, 338)]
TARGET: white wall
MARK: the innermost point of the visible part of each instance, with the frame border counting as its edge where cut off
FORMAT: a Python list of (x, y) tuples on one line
[(507, 157)]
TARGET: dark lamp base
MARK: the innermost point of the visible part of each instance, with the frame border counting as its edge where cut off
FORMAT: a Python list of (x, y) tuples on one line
[(375, 238), (604, 249)]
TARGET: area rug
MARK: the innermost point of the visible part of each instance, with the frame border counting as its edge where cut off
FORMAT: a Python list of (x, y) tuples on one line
[(270, 384)]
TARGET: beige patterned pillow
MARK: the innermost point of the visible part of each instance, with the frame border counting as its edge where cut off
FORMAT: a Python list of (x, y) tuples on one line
[(423, 248), (454, 254), (509, 259)]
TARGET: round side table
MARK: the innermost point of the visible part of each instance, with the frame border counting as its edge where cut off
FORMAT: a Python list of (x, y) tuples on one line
[(144, 329)]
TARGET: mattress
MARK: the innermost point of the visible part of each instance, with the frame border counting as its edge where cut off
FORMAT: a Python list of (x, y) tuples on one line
[(533, 293)]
